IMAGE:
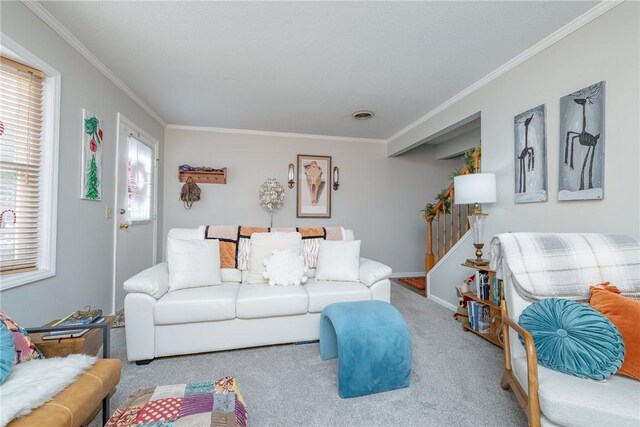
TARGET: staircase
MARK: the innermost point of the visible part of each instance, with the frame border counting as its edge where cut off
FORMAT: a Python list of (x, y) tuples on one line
[(450, 220)]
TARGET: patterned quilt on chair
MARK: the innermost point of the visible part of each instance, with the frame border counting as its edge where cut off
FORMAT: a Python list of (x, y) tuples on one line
[(235, 242), (563, 265), (212, 403)]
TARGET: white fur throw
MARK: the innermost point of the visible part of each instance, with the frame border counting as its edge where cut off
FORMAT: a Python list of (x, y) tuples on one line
[(285, 268), (32, 384)]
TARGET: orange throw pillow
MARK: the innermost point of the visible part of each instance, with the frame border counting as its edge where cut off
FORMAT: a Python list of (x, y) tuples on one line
[(624, 313)]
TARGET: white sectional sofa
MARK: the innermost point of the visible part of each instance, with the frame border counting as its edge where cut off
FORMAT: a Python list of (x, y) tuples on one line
[(234, 314)]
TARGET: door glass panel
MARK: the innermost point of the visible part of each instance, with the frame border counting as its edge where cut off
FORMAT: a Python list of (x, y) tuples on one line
[(139, 181)]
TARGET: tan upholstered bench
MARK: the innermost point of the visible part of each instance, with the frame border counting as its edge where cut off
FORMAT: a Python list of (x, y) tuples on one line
[(79, 403)]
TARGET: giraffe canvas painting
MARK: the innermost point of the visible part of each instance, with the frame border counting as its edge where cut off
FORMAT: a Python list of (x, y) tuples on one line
[(582, 144), (530, 156)]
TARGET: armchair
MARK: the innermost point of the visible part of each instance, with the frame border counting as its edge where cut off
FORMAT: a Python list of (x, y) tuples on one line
[(554, 265)]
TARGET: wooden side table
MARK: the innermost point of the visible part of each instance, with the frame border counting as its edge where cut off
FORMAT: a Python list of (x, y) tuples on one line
[(89, 343)]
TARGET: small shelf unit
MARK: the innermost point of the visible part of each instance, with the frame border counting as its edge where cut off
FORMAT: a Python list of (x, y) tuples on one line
[(492, 338), (204, 177), (494, 335)]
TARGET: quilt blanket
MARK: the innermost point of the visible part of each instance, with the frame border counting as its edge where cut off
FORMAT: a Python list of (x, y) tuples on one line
[(235, 239), (212, 403), (563, 265)]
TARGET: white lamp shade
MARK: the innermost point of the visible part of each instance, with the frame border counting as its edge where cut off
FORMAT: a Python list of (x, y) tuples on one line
[(474, 188)]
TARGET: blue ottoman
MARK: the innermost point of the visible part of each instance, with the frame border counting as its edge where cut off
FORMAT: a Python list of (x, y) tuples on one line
[(372, 343)]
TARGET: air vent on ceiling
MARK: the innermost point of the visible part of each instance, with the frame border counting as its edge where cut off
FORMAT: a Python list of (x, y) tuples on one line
[(363, 115)]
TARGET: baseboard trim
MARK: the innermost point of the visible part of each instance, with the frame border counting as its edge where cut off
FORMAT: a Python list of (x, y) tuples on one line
[(442, 302), (407, 274)]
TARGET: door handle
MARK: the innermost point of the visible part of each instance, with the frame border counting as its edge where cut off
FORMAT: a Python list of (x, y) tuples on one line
[(122, 211), (124, 226)]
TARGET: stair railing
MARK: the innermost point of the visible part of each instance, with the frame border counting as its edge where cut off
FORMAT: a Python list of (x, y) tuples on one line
[(448, 217)]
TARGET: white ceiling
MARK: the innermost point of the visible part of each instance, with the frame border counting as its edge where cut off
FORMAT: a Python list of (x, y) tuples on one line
[(304, 67)]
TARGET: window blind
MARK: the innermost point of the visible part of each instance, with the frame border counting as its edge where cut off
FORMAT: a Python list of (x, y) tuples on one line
[(21, 90), (139, 180)]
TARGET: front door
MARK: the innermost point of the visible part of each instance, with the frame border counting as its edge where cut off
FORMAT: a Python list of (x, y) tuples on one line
[(135, 210)]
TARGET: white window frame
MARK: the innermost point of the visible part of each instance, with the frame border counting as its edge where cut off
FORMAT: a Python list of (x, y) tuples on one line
[(49, 165)]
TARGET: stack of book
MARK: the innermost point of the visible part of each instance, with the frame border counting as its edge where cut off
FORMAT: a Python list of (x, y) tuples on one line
[(481, 285), (497, 286), (479, 317), (75, 319)]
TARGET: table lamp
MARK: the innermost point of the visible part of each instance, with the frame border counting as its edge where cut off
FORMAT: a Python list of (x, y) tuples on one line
[(474, 189)]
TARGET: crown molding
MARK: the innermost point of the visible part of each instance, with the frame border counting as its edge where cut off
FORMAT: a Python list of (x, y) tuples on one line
[(277, 134), (548, 41), (63, 32), (543, 44)]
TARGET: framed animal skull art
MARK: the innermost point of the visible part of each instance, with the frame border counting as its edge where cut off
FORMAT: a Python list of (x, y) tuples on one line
[(582, 144), (314, 186)]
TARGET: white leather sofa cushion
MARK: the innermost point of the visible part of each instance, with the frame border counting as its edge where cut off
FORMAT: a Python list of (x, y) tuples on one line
[(323, 293), (263, 245), (373, 271), (338, 260), (571, 401), (153, 281), (262, 300), (231, 275), (193, 263), (205, 304)]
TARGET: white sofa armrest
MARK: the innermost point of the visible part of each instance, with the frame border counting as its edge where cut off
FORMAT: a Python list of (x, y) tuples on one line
[(372, 272), (140, 330), (154, 281)]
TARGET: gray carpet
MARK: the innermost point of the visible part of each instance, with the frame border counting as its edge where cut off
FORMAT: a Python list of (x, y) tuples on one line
[(454, 380)]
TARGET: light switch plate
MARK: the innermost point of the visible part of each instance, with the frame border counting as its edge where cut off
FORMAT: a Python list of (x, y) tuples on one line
[(108, 213)]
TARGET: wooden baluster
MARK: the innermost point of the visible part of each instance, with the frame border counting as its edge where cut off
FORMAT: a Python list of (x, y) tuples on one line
[(444, 234), (438, 238), (429, 262), (444, 230), (451, 215), (459, 234), (467, 222)]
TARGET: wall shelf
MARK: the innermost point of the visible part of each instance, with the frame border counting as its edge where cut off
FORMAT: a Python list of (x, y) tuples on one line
[(204, 177)]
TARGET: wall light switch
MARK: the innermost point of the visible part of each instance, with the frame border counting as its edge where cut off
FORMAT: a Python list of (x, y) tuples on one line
[(108, 213)]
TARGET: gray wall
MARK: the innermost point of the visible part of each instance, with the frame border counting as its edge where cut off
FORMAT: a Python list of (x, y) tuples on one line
[(85, 237), (458, 145), (379, 197), (607, 48)]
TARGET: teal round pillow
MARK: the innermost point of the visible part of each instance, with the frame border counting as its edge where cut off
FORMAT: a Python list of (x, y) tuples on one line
[(7, 352), (573, 338)]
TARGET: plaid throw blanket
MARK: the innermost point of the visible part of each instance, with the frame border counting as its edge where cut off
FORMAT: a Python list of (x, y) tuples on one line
[(212, 403), (235, 242), (560, 265)]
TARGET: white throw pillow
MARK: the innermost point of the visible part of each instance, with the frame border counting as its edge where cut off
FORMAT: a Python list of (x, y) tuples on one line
[(339, 260), (193, 263), (285, 268), (263, 245)]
